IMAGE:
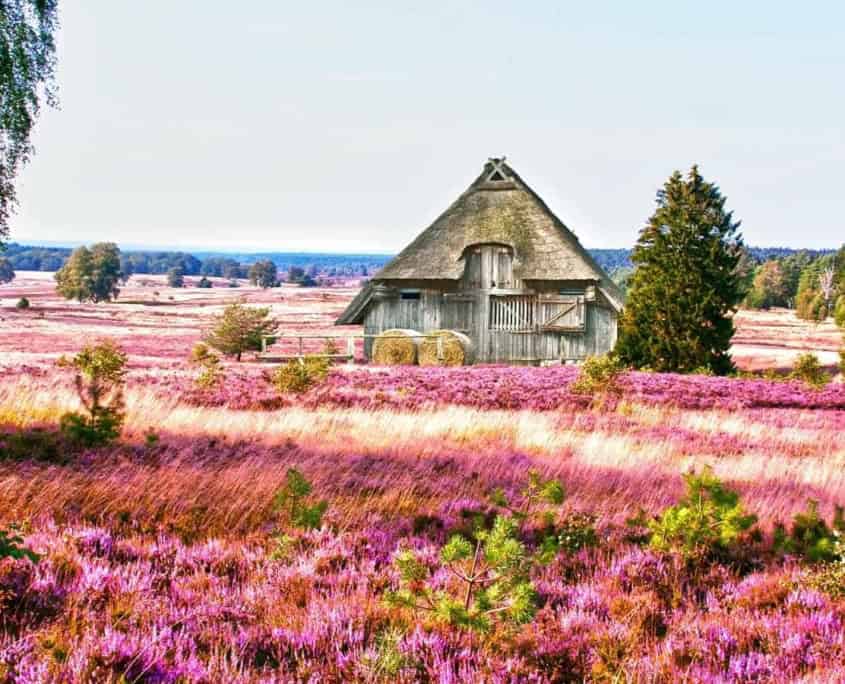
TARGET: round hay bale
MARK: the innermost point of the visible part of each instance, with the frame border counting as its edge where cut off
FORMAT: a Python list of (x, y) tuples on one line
[(456, 349), (397, 347)]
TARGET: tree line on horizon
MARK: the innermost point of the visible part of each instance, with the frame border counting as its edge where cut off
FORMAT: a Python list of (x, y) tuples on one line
[(616, 261)]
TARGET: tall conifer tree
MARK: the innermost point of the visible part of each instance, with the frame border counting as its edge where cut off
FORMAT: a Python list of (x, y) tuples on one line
[(686, 287)]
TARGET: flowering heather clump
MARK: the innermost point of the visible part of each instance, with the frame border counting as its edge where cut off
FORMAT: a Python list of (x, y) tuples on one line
[(508, 388)]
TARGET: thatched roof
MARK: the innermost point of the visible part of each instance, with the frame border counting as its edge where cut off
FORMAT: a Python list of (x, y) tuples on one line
[(498, 207)]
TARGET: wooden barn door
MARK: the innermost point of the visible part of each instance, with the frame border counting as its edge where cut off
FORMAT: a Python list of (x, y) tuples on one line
[(488, 267)]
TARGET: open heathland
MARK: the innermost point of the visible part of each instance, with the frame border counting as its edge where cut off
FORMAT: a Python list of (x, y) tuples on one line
[(165, 557)]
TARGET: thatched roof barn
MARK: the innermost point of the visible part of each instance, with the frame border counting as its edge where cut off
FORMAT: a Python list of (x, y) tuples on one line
[(501, 268)]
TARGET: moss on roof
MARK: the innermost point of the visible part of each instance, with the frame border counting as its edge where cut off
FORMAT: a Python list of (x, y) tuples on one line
[(507, 212)]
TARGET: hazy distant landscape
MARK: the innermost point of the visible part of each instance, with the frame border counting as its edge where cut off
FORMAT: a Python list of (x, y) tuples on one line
[(52, 257)]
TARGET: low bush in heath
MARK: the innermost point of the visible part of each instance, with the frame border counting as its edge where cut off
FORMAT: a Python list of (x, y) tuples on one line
[(598, 375), (299, 375), (809, 370), (100, 371), (810, 536), (705, 524)]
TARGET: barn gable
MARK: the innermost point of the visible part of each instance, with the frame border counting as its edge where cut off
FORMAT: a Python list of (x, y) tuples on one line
[(500, 208), (501, 269)]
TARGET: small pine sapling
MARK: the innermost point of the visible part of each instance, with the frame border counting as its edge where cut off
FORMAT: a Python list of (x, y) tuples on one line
[(708, 521), (540, 500), (490, 581), (100, 376), (810, 536), (291, 500), (12, 546)]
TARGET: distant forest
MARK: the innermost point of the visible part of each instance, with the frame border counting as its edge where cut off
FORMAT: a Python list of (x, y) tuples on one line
[(235, 265)]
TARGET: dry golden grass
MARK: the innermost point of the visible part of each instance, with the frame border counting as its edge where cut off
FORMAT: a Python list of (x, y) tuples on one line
[(224, 465)]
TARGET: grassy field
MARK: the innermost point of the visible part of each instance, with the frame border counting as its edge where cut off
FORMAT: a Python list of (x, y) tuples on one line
[(164, 559)]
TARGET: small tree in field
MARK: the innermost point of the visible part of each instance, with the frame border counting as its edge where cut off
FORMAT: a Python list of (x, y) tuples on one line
[(686, 286), (91, 275), (239, 328), (176, 277), (100, 372), (7, 272), (491, 582), (706, 522), (264, 274)]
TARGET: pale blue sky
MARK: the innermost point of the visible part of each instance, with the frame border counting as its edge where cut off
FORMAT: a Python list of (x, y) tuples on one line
[(350, 125)]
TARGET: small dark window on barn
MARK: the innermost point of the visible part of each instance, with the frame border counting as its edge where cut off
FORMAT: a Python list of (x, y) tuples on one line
[(572, 292), (409, 294)]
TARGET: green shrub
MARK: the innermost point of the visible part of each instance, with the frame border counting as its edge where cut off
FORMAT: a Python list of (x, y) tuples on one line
[(98, 428), (577, 531), (238, 329), (810, 536), (598, 375), (829, 578), (204, 283), (211, 371), (100, 375), (298, 375), (151, 438), (842, 359), (809, 370), (490, 580), (839, 311), (389, 661), (22, 303), (33, 444), (11, 545), (291, 501), (708, 521)]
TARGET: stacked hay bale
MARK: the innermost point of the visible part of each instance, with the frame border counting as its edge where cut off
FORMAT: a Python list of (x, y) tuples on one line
[(445, 348), (397, 347)]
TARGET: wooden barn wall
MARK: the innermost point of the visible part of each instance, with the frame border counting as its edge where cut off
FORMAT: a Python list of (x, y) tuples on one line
[(432, 311), (435, 310)]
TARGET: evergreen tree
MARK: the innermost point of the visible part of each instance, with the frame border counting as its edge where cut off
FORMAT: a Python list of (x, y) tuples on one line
[(238, 329), (686, 286), (91, 275)]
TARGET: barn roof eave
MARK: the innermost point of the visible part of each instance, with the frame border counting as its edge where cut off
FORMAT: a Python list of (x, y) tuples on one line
[(357, 308)]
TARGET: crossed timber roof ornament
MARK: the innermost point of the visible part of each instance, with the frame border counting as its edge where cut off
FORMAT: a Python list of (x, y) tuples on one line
[(497, 173)]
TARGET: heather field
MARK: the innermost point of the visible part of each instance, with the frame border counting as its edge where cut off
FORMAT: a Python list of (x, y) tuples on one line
[(164, 559)]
